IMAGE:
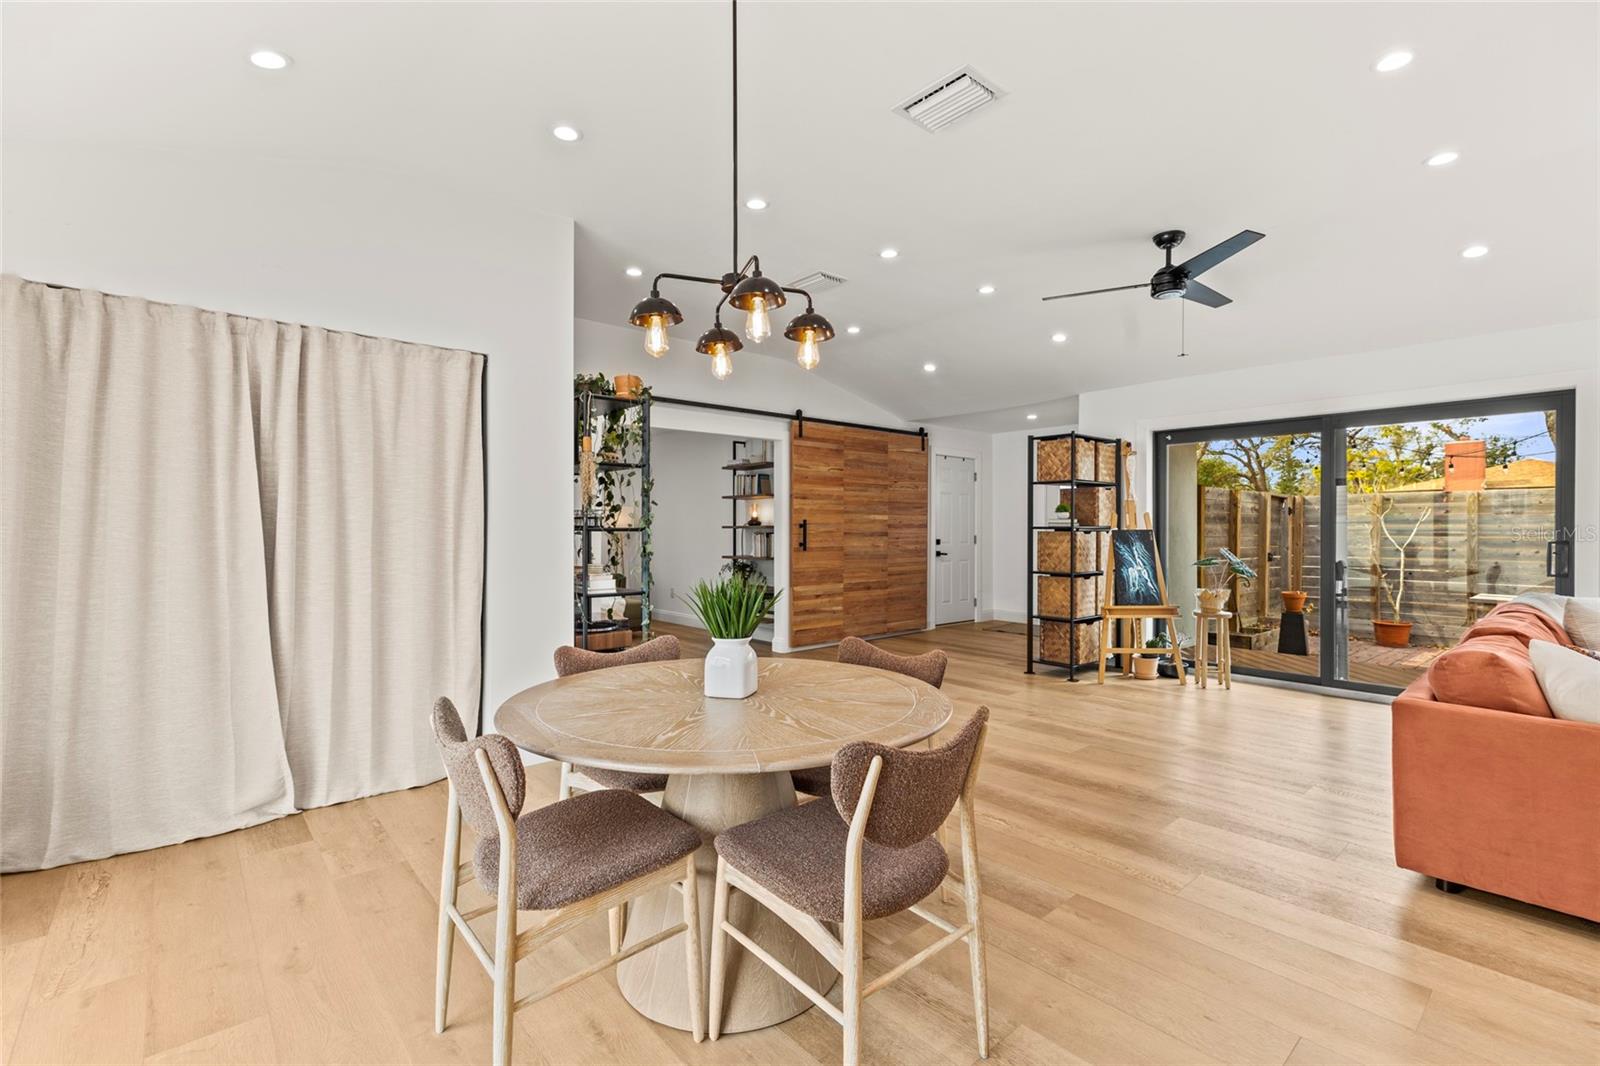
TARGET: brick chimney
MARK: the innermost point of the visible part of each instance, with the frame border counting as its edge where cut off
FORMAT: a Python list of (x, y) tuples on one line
[(1464, 465)]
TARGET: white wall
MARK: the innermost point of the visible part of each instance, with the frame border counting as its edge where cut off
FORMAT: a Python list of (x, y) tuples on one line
[(372, 252), (1498, 364), (1008, 521)]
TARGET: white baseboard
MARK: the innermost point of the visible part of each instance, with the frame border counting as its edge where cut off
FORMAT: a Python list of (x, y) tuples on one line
[(998, 615), (682, 618)]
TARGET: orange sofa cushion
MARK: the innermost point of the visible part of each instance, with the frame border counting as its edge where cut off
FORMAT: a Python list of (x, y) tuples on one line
[(1490, 667)]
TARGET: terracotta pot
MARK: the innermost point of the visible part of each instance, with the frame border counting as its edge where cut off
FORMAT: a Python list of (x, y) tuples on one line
[(628, 386), (1213, 599), (1146, 667), (1293, 602), (1391, 634)]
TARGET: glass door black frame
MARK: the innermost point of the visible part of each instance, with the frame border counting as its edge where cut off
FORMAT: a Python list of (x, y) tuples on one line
[(1331, 432)]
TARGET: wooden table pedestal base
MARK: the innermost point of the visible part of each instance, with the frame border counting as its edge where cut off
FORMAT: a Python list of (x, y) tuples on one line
[(755, 996)]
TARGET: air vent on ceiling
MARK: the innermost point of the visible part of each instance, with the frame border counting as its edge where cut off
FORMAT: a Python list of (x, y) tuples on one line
[(817, 281), (950, 99)]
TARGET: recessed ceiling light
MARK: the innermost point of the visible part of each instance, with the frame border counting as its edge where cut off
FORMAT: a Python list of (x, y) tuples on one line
[(1443, 159), (985, 290), (1475, 251), (888, 253), (634, 272), (1033, 418), (756, 203), (267, 59), (566, 133), (928, 368), (852, 329), (1059, 338), (1393, 62)]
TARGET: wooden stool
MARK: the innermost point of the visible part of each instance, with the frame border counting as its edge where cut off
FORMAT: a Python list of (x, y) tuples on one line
[(1217, 620)]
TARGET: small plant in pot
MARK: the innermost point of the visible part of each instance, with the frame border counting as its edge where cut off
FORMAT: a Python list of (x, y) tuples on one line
[(1216, 571), (1147, 665), (731, 608)]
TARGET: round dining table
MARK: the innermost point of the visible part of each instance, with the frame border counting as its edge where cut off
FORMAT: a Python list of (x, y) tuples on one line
[(727, 762)]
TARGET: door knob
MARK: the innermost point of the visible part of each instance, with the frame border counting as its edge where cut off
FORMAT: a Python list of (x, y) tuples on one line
[(941, 553)]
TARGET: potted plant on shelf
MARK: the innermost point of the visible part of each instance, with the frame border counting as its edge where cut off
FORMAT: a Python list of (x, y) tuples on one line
[(1063, 515), (1216, 571), (731, 608)]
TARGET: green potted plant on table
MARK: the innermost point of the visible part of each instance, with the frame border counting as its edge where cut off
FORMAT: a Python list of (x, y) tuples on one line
[(731, 608), (1216, 571)]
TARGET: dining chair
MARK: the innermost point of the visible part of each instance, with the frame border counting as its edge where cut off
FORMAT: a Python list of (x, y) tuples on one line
[(581, 779), (865, 852), (929, 666), (567, 861), (570, 661)]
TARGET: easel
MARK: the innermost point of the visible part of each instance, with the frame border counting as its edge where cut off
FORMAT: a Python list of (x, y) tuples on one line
[(1135, 614)]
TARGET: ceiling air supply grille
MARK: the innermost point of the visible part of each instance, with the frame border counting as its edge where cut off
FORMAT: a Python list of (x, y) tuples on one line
[(817, 281), (949, 100)]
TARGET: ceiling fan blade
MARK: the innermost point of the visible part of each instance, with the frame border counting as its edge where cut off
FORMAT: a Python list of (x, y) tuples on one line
[(1204, 294), (1092, 292), (1199, 264)]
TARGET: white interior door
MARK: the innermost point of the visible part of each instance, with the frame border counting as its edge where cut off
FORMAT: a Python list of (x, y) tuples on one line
[(955, 545)]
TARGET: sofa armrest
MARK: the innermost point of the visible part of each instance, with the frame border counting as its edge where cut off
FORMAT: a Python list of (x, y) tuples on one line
[(1509, 803)]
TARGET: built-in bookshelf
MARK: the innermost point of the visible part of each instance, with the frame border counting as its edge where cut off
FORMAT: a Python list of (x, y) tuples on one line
[(751, 536), (592, 411)]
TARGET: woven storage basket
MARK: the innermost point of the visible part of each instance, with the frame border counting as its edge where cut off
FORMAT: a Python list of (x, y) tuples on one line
[(1052, 460), (1055, 596), (1105, 462), (1085, 551), (1054, 550), (1085, 462), (1094, 507), (1054, 640)]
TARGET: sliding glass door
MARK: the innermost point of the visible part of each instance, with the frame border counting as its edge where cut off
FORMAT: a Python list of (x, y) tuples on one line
[(1375, 538)]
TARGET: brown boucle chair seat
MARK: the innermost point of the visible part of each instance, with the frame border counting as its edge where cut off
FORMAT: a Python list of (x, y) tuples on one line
[(571, 661), (582, 846), (798, 853), (929, 667)]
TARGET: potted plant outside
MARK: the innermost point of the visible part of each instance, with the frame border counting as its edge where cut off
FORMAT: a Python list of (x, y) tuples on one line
[(1216, 571), (731, 608), (1391, 632), (1294, 601)]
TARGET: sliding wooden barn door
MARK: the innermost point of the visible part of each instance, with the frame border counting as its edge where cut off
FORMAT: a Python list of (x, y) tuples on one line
[(859, 503)]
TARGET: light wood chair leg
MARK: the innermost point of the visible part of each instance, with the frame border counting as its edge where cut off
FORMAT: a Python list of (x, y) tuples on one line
[(973, 886), (719, 946), (505, 952), (564, 787), (616, 927), (852, 982), (447, 899), (691, 948)]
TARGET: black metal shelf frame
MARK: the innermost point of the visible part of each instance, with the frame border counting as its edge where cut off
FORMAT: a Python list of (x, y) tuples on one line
[(585, 526), (1072, 618)]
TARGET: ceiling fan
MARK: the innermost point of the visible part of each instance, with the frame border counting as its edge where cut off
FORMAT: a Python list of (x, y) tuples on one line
[(1175, 282)]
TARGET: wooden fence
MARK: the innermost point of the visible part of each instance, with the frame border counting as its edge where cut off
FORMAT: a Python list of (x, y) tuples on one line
[(1470, 543)]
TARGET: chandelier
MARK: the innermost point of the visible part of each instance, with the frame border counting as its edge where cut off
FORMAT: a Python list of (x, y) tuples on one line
[(744, 288)]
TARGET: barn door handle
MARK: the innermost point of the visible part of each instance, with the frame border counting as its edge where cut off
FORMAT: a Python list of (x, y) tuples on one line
[(803, 534)]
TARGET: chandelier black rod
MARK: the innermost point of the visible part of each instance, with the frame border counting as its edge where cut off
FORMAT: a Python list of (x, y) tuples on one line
[(734, 5)]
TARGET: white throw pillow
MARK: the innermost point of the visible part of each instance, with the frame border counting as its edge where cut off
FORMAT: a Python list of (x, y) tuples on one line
[(1570, 680), (1582, 621), (1551, 604)]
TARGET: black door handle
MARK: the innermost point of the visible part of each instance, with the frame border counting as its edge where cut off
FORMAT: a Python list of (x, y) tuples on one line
[(1551, 549), (803, 535), (941, 553)]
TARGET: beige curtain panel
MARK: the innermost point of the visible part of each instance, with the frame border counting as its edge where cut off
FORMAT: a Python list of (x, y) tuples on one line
[(239, 559)]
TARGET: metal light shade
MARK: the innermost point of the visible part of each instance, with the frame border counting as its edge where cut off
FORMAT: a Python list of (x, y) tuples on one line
[(653, 306), (728, 337), (810, 322), (744, 293)]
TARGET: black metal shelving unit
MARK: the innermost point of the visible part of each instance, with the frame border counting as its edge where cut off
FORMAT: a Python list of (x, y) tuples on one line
[(1073, 617), (738, 532), (586, 524)]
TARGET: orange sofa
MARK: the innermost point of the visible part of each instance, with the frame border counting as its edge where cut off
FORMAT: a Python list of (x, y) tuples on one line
[(1490, 790)]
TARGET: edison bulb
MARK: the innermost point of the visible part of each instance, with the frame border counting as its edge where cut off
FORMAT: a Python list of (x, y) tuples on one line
[(721, 363), (808, 354), (655, 336), (758, 327)]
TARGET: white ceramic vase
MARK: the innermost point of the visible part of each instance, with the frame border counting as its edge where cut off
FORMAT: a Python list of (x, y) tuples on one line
[(730, 669)]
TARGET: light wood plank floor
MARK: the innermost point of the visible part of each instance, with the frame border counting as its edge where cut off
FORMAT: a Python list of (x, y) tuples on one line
[(1173, 876)]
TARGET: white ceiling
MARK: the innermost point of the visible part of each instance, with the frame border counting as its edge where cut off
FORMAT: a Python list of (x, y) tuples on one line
[(1119, 120)]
